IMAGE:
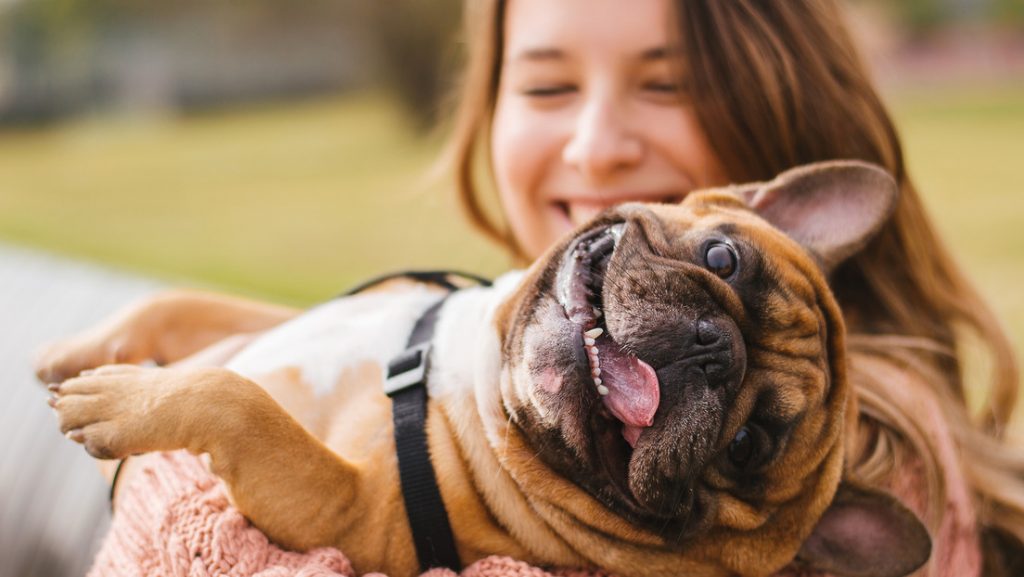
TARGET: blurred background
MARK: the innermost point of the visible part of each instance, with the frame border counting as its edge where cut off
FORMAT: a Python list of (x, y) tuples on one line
[(279, 150)]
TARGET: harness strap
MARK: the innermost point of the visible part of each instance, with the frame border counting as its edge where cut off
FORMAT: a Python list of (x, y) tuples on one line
[(442, 278), (406, 385)]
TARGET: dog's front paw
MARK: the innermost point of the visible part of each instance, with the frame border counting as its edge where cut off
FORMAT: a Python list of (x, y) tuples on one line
[(121, 410)]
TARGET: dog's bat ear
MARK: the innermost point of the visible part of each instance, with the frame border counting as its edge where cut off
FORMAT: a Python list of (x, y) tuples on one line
[(866, 533), (832, 208)]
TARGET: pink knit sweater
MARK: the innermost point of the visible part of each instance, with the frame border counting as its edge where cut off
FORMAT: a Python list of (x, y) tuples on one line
[(174, 520)]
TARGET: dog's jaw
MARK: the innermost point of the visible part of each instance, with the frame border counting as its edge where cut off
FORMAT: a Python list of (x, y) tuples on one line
[(627, 386), (662, 301), (617, 445)]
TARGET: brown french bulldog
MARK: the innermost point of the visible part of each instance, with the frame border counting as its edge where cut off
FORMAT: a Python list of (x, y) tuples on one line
[(663, 393)]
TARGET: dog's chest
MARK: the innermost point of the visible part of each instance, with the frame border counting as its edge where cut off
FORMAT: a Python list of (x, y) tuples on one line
[(326, 367)]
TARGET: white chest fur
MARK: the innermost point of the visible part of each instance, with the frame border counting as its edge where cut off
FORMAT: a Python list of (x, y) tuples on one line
[(345, 332), (374, 327)]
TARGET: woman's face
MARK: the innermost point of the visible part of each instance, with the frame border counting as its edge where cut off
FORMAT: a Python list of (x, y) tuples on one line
[(591, 113)]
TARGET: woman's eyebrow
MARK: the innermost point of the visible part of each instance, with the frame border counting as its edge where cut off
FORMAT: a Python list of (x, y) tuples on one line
[(660, 53), (546, 53), (540, 53)]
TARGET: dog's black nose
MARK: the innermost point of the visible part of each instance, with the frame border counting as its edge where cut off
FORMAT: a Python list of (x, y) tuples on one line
[(708, 333), (720, 353)]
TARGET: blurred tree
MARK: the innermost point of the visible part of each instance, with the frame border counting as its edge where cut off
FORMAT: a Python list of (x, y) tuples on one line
[(416, 41), (63, 57), (922, 17), (45, 40), (1009, 12)]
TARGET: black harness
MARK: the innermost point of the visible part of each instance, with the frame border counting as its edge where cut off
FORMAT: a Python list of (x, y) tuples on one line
[(406, 384)]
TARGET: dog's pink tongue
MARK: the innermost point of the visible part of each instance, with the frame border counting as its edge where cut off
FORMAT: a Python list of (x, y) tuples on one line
[(633, 393)]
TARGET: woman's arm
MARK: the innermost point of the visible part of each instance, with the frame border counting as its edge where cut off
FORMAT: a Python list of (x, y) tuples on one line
[(163, 328)]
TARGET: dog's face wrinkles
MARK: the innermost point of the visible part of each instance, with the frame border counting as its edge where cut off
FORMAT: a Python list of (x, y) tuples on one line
[(717, 367)]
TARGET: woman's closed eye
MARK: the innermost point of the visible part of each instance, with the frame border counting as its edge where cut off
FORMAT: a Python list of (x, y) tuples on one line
[(656, 86), (664, 89), (548, 90)]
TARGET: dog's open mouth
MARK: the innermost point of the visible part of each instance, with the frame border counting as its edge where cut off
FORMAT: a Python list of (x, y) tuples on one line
[(628, 387)]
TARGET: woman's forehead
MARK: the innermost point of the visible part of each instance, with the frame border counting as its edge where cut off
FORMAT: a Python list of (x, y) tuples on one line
[(552, 30)]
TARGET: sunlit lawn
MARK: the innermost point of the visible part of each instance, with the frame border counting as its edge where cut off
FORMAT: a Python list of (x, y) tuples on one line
[(288, 202), (295, 202), (965, 150)]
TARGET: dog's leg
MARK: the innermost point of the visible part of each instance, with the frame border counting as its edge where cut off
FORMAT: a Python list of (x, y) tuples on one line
[(280, 477), (163, 328)]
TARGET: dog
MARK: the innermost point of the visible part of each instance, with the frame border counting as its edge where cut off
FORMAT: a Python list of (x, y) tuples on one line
[(663, 393)]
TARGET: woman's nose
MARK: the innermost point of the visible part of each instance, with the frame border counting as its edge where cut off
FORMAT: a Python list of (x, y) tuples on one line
[(602, 144)]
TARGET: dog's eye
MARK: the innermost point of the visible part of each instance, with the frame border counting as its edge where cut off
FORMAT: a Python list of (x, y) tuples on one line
[(721, 259), (742, 449), (750, 449)]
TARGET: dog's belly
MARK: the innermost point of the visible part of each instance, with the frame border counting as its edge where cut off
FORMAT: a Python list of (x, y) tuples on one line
[(326, 367)]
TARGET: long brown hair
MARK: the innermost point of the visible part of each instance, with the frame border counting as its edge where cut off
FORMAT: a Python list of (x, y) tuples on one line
[(797, 92)]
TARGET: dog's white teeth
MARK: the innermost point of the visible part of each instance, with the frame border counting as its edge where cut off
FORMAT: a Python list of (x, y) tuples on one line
[(597, 312), (593, 354)]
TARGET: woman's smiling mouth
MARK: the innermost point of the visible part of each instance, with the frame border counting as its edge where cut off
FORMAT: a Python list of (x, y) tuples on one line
[(580, 209)]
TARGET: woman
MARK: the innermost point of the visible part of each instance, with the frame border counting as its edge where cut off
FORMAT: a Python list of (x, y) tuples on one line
[(582, 104), (585, 104)]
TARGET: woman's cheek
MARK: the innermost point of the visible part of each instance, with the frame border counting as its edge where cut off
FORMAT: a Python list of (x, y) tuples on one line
[(677, 134), (523, 149)]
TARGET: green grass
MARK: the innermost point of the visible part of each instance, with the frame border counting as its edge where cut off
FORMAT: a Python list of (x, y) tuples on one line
[(295, 202), (965, 151), (289, 202)]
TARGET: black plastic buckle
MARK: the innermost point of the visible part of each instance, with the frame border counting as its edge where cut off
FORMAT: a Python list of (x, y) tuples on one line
[(408, 369)]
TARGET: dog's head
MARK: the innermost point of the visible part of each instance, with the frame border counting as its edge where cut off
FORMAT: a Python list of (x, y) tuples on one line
[(684, 365)]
